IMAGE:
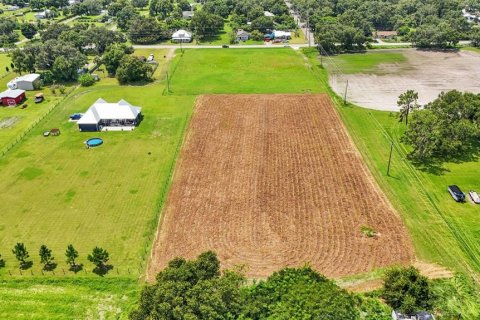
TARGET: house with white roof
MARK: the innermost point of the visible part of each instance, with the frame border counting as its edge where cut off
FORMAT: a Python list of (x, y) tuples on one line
[(277, 34), (268, 14), (27, 82), (44, 14), (105, 116), (181, 36)]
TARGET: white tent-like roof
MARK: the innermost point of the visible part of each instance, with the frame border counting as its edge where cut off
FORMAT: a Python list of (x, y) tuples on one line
[(102, 110), (181, 34)]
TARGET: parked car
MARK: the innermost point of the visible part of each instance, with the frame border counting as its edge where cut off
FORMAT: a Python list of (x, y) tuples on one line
[(76, 116), (456, 193), (225, 46), (474, 196)]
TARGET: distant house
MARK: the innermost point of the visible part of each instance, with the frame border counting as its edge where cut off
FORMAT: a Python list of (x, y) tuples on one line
[(422, 315), (13, 8), (242, 35), (43, 14), (12, 97), (187, 14), (469, 16), (277, 34), (181, 36), (120, 116), (27, 82), (385, 34), (268, 14)]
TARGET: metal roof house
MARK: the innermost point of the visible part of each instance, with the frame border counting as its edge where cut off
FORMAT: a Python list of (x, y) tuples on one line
[(104, 116), (182, 36), (27, 82), (242, 35), (12, 97)]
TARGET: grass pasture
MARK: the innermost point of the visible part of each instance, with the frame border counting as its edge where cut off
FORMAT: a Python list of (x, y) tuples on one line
[(57, 192), (200, 71), (67, 298), (365, 62)]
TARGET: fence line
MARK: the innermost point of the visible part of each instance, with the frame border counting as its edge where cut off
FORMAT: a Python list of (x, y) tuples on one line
[(22, 135)]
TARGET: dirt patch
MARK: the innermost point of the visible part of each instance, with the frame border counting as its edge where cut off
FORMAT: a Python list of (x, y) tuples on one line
[(427, 72), (269, 181), (8, 122)]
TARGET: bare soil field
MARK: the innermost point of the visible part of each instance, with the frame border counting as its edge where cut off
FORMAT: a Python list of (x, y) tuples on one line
[(427, 72), (269, 181)]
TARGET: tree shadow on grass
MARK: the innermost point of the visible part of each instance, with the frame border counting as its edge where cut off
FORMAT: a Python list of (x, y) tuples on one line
[(102, 270), (76, 268), (436, 166), (26, 265), (50, 267)]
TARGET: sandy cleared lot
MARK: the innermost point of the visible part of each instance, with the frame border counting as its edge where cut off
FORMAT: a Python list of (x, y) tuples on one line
[(427, 72), (269, 181)]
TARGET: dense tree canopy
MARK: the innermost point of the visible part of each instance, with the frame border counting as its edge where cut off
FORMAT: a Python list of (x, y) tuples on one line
[(131, 69), (407, 291), (199, 290), (431, 23), (447, 128)]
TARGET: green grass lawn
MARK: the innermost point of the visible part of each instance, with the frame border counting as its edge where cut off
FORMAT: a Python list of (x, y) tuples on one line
[(200, 71), (365, 62), (159, 56), (58, 190), (67, 298)]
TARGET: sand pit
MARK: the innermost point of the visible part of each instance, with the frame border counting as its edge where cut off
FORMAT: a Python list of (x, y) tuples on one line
[(427, 72), (269, 181)]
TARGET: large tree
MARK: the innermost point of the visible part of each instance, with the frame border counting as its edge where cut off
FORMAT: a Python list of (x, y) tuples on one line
[(206, 24), (299, 294), (72, 254), (144, 30), (113, 55), (132, 69), (99, 257), (192, 290), (407, 291)]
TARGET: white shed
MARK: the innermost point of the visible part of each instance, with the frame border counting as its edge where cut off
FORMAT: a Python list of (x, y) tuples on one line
[(182, 36)]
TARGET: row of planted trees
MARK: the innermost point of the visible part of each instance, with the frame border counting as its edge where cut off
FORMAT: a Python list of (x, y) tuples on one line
[(99, 258)]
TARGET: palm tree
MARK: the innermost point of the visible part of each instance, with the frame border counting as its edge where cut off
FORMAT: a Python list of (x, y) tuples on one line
[(407, 102)]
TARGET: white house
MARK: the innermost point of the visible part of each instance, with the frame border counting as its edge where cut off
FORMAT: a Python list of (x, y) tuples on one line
[(27, 82), (469, 16), (282, 34), (44, 14), (182, 36), (120, 116), (242, 35)]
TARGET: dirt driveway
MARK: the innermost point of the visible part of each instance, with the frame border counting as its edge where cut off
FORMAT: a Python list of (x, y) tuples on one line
[(427, 72)]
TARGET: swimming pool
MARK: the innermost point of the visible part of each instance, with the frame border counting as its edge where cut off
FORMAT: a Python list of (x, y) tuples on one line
[(94, 142)]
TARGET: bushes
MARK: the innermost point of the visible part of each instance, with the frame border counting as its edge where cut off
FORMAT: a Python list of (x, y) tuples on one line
[(86, 80)]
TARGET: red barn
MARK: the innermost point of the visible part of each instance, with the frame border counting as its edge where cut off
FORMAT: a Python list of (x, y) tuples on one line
[(12, 97)]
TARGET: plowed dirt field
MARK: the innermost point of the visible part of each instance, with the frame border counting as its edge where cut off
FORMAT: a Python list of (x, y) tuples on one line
[(269, 181)]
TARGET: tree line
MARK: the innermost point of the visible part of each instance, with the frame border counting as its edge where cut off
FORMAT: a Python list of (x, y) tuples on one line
[(197, 289), (348, 24), (63, 52), (99, 257)]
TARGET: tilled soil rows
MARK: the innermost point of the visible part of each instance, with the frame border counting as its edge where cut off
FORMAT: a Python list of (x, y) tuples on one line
[(269, 181)]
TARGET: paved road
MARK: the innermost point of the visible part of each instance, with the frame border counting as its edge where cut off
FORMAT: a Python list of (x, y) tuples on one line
[(302, 25)]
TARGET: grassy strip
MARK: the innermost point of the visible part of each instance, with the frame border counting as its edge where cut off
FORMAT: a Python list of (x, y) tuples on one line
[(67, 298)]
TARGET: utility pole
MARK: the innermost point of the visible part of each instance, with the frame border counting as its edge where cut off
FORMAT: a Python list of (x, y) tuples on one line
[(308, 27), (390, 159), (346, 91)]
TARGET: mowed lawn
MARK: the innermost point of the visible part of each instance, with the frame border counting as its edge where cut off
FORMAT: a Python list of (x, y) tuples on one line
[(55, 192), (363, 62), (200, 71), (67, 298)]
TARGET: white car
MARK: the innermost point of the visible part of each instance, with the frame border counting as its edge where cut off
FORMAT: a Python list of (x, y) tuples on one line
[(474, 196)]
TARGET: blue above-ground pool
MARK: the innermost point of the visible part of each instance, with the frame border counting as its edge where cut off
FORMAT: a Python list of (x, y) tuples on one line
[(94, 142)]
